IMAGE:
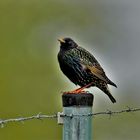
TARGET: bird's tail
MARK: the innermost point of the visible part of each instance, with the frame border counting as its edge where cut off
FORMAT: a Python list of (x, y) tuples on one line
[(106, 90), (112, 98)]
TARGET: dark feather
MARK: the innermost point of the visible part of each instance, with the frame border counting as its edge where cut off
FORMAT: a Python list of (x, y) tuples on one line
[(82, 68)]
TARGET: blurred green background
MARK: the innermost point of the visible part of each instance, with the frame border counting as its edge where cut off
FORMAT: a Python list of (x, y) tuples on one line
[(30, 78)]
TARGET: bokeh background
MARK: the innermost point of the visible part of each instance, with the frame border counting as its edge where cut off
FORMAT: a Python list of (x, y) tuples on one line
[(30, 78)]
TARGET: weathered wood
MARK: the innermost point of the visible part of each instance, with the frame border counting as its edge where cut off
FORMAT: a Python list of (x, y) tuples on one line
[(79, 125)]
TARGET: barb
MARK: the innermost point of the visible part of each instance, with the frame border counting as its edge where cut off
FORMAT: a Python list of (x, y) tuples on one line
[(40, 116)]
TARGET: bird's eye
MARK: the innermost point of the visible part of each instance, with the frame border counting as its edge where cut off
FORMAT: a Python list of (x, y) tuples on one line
[(69, 43)]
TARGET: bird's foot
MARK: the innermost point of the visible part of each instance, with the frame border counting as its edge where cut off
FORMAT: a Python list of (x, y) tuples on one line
[(77, 91)]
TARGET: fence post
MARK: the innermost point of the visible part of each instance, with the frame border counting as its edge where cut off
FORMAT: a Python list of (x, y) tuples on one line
[(77, 122)]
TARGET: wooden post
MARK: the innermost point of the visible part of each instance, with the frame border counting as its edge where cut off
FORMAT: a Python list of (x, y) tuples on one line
[(77, 122)]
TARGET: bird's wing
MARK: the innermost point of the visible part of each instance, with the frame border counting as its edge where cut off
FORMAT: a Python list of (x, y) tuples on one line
[(89, 62), (95, 70)]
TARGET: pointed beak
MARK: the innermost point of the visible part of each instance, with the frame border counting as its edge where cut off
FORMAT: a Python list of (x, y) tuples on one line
[(61, 40)]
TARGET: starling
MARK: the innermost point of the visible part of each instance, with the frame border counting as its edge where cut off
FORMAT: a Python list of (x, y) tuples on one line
[(81, 67)]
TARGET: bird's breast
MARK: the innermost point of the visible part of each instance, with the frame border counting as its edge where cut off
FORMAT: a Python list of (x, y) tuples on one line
[(73, 69)]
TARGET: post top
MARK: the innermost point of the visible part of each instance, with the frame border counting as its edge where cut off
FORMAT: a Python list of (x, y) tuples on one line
[(80, 99)]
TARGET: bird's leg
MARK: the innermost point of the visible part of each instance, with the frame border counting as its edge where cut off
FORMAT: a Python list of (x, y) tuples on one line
[(80, 90)]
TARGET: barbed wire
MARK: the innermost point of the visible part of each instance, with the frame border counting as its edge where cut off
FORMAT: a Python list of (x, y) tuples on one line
[(40, 116)]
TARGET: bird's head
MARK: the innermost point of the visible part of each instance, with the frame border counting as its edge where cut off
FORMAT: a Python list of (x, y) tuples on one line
[(67, 43)]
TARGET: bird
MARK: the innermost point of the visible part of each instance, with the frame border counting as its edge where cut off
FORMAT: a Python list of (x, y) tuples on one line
[(82, 68)]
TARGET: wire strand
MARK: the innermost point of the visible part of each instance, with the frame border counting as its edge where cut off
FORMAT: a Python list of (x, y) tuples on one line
[(40, 116)]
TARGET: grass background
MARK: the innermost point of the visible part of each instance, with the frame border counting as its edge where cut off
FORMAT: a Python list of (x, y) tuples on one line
[(30, 78)]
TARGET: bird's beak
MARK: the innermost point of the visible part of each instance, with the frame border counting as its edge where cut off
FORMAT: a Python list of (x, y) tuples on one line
[(61, 40)]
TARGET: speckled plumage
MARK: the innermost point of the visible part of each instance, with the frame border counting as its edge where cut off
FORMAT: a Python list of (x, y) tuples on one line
[(81, 67)]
